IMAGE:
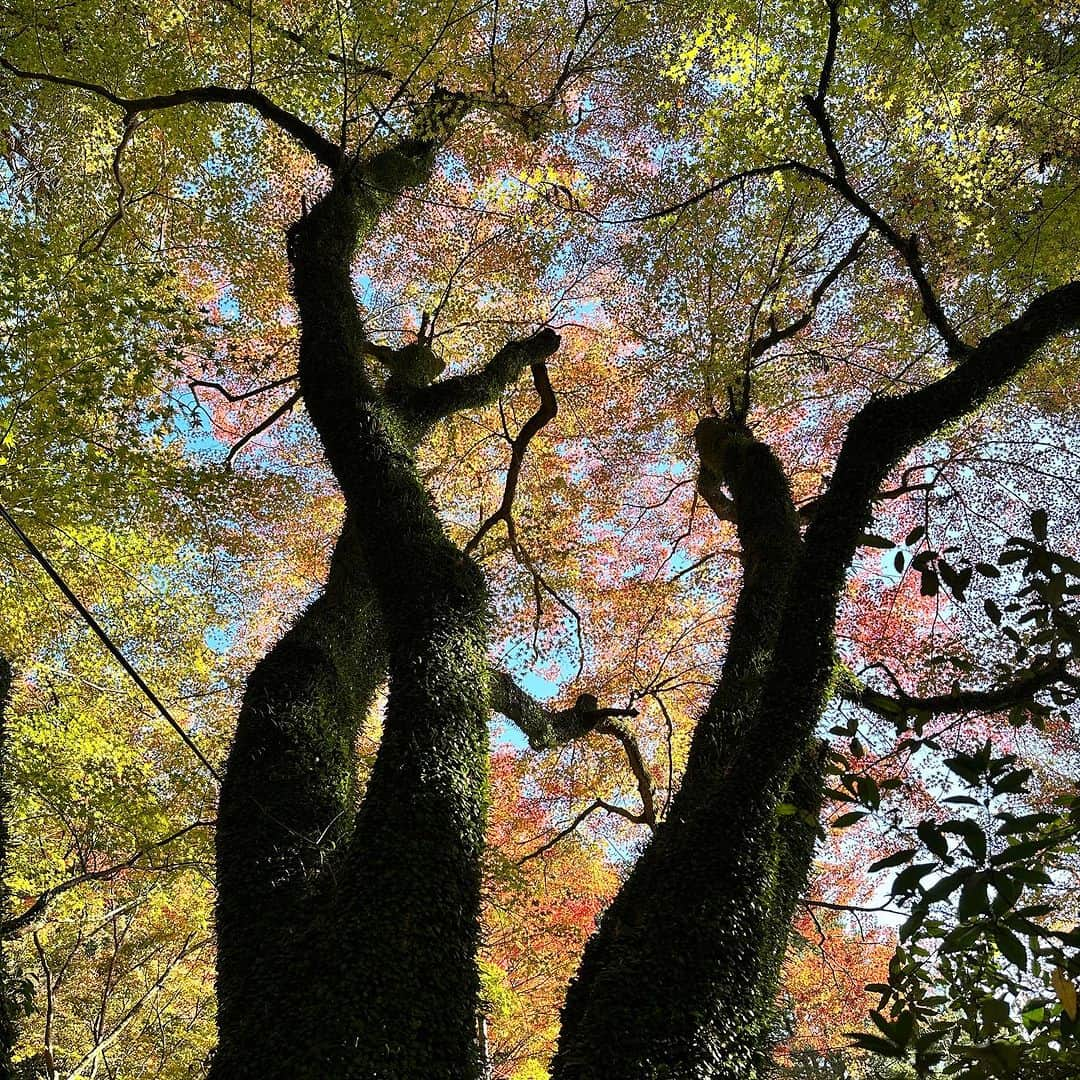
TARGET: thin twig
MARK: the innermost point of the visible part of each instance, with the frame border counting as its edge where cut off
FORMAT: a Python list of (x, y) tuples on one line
[(548, 410), (259, 428)]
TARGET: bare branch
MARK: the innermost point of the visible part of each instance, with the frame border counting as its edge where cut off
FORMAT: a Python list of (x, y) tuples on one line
[(26, 920), (259, 428), (325, 152), (764, 343), (809, 508), (548, 728), (562, 834), (807, 902), (304, 41), (547, 412), (229, 395), (906, 247), (1054, 672), (830, 52), (85, 247), (646, 789), (189, 946), (713, 189)]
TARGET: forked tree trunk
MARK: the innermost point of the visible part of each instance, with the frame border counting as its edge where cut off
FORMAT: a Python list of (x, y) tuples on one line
[(348, 936)]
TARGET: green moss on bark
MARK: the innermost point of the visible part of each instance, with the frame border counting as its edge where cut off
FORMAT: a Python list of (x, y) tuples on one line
[(359, 961)]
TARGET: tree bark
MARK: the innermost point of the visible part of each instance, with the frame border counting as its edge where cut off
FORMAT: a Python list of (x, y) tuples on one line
[(680, 978), (349, 936)]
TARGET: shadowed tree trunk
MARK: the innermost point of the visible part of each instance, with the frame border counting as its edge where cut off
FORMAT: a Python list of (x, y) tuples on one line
[(361, 926), (680, 977)]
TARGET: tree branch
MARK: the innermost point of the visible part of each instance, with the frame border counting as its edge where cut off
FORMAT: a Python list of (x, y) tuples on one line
[(618, 729), (189, 946), (710, 488), (1018, 692), (442, 399), (878, 437), (767, 341), (304, 41), (228, 395), (906, 247), (26, 920), (260, 427), (830, 53), (887, 428), (547, 412), (808, 508), (324, 151), (547, 728), (760, 504), (563, 833)]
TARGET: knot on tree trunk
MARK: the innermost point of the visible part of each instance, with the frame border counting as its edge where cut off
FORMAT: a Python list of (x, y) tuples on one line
[(717, 441)]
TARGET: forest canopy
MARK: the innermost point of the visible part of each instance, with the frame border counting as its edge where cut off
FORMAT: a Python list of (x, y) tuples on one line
[(539, 540)]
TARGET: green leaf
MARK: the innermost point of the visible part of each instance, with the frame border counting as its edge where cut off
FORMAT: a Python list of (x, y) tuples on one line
[(874, 1043), (971, 833), (867, 789), (956, 581), (966, 767), (949, 884), (1015, 852), (1024, 823), (907, 880), (1013, 782), (932, 838), (895, 859), (1012, 948), (973, 898)]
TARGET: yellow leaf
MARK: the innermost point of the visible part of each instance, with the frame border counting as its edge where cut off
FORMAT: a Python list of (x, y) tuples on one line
[(1065, 989)]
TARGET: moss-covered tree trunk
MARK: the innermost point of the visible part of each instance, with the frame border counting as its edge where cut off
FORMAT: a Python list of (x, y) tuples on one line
[(348, 934), (680, 977)]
